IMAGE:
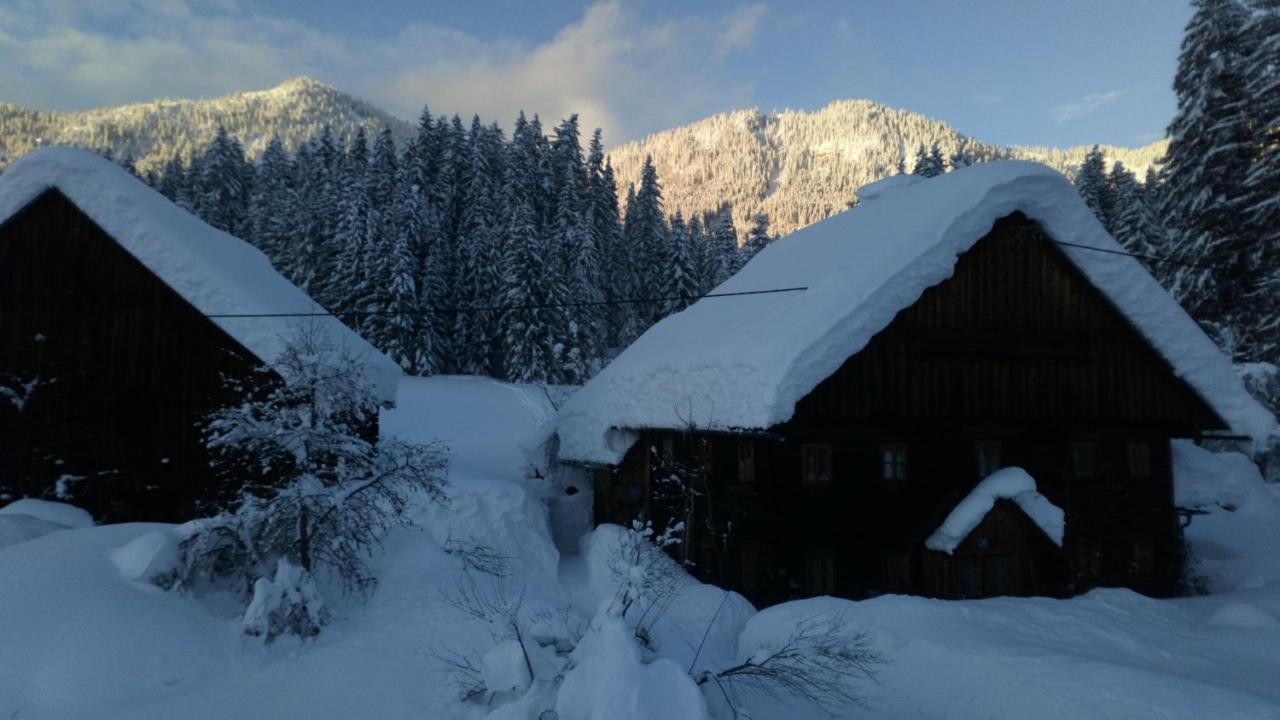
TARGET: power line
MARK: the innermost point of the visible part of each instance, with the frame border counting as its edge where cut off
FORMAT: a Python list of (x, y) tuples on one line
[(532, 306), (667, 298)]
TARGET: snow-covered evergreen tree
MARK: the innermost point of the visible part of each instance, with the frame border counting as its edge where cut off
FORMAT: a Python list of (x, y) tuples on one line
[(1133, 222), (270, 217), (221, 187), (527, 321), (758, 237), (929, 163), (323, 494), (1210, 149), (682, 285), (1091, 182)]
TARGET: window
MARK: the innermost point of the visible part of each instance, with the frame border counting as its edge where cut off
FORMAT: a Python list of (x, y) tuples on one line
[(1084, 459), (819, 574), (1139, 459), (893, 461), (815, 464), (987, 456), (746, 462)]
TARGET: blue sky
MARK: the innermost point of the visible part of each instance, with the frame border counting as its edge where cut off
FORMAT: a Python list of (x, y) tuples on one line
[(1045, 72)]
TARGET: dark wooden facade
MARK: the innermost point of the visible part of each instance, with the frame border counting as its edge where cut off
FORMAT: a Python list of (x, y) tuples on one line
[(1016, 360), (134, 369)]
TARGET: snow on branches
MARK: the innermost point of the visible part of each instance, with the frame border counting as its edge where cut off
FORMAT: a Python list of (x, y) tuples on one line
[(320, 493)]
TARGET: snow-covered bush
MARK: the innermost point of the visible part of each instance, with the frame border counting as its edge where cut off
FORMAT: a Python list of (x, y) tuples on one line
[(322, 491), (287, 604)]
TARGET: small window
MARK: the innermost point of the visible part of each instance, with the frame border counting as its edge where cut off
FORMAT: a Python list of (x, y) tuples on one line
[(1139, 460), (987, 456), (1084, 459), (746, 462), (820, 574), (893, 461), (815, 464)]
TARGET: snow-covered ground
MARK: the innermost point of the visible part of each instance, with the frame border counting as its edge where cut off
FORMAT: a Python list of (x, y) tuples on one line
[(79, 639)]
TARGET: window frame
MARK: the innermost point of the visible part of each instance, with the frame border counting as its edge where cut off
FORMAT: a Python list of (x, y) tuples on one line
[(807, 452), (895, 462)]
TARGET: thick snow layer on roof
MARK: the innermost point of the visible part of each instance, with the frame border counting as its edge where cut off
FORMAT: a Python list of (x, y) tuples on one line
[(217, 273), (1011, 483), (743, 362)]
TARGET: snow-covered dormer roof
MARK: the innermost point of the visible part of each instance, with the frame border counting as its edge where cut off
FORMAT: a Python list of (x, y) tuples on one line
[(743, 362), (1011, 483), (217, 273)]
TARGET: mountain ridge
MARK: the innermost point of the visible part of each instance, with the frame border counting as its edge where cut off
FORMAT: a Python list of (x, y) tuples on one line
[(799, 167), (796, 166)]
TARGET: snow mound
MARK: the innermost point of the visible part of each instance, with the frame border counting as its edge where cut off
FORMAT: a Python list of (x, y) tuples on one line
[(609, 681), (492, 429), (1011, 483), (1244, 615), (504, 669), (16, 529), (215, 272), (148, 556), (1233, 544), (68, 516), (743, 362)]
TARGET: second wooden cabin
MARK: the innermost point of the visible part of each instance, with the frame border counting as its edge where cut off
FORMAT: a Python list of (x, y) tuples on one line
[(815, 441)]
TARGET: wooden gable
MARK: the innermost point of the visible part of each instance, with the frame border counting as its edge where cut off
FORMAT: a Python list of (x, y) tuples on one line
[(135, 366), (1016, 335)]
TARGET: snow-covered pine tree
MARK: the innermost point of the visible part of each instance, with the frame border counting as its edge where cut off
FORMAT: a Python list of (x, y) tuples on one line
[(477, 234), (526, 320), (1091, 183), (173, 180), (1210, 149), (626, 265), (1133, 223), (606, 235), (270, 218), (323, 494), (726, 256), (758, 237), (353, 237), (319, 209), (682, 269), (651, 236), (222, 194), (1262, 184), (929, 163)]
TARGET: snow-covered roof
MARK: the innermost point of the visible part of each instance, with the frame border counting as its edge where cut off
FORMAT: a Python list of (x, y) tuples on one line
[(217, 273), (1011, 483), (743, 362)]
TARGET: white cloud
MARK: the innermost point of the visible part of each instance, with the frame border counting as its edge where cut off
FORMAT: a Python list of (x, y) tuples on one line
[(1085, 106), (614, 68)]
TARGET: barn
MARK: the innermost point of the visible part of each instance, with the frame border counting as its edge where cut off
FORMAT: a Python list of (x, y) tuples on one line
[(961, 387), (122, 317)]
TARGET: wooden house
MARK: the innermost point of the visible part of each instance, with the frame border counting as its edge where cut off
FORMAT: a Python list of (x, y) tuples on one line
[(814, 438), (108, 350)]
